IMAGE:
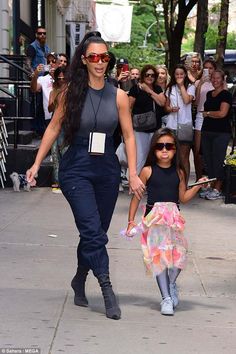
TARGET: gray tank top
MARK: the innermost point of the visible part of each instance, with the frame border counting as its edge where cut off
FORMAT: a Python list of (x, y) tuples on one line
[(101, 103)]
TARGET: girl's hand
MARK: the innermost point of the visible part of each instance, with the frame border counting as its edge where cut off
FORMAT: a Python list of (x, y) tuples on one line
[(180, 81), (32, 173), (136, 186), (201, 180)]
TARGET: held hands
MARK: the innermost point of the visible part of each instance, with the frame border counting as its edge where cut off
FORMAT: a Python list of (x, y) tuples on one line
[(136, 186), (124, 75)]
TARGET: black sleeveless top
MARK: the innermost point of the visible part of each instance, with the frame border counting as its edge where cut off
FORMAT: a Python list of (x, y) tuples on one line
[(163, 185)]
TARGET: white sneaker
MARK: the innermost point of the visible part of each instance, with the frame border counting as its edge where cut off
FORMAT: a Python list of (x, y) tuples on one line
[(167, 307), (214, 194), (174, 294), (121, 188), (204, 192)]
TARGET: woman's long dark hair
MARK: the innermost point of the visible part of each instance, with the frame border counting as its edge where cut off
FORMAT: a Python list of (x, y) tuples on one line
[(152, 159), (173, 80), (77, 87)]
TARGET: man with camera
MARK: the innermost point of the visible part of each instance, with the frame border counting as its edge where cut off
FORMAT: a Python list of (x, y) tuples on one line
[(44, 83), (38, 50)]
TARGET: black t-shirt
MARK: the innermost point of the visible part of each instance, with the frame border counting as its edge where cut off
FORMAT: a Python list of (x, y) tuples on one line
[(144, 102), (213, 104)]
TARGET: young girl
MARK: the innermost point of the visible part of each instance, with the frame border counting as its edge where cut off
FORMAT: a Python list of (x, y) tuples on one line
[(163, 244)]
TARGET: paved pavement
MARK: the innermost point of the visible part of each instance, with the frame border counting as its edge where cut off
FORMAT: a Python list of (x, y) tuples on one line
[(38, 258)]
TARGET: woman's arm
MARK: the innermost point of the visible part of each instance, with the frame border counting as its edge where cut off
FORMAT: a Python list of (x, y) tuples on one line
[(51, 101), (49, 137), (159, 98), (131, 102), (222, 113), (136, 185), (185, 96)]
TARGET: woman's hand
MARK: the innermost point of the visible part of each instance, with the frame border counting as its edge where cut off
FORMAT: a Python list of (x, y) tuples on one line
[(136, 186), (32, 173), (145, 87)]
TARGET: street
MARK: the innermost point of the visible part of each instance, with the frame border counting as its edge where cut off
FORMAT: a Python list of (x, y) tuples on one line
[(38, 260)]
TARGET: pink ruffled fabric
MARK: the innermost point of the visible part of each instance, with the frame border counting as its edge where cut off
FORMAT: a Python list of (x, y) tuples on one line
[(162, 239)]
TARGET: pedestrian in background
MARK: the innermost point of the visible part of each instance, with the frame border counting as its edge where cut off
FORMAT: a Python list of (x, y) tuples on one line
[(180, 93), (163, 243), (89, 172), (145, 97), (216, 132)]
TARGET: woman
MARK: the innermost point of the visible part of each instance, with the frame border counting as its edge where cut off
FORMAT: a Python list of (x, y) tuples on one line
[(163, 76), (193, 65), (89, 172), (55, 96), (180, 94), (202, 87), (216, 131), (144, 97)]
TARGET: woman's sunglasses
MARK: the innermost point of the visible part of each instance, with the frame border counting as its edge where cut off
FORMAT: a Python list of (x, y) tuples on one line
[(168, 146), (95, 58), (60, 78), (150, 75)]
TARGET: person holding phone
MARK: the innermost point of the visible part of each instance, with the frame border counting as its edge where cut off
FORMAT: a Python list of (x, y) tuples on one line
[(123, 74), (203, 86)]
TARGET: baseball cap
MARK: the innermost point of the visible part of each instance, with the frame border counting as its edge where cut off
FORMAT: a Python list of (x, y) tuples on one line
[(122, 61), (52, 54)]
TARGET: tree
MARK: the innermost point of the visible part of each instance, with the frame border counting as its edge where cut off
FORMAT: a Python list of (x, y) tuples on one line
[(222, 32), (175, 15), (201, 28)]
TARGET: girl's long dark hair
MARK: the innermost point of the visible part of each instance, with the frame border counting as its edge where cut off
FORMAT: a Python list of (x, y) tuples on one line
[(57, 72), (152, 159), (173, 80), (77, 79)]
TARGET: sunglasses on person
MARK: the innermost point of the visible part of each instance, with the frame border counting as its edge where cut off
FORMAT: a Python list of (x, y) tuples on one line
[(167, 146), (60, 78), (41, 33), (95, 58), (150, 75), (51, 61)]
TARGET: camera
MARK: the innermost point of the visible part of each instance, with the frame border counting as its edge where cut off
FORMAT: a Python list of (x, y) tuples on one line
[(46, 67)]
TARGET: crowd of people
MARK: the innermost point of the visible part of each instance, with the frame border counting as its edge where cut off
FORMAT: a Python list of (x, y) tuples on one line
[(93, 103)]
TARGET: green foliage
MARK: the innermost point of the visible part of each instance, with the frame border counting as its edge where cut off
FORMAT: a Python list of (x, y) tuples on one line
[(212, 38), (143, 17)]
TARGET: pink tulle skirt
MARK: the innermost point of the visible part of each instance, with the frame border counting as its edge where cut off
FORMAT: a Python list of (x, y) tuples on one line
[(162, 239)]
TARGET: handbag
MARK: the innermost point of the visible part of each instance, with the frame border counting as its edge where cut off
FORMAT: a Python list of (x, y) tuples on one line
[(184, 130), (145, 121), (121, 154)]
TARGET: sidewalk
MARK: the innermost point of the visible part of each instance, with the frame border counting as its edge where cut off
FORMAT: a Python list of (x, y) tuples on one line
[(38, 243)]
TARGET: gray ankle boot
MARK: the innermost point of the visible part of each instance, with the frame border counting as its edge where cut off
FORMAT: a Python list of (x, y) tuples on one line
[(111, 305), (78, 285)]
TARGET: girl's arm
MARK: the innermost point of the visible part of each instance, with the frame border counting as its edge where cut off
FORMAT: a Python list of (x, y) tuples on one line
[(224, 109), (144, 175), (49, 137), (136, 185), (168, 108), (187, 194)]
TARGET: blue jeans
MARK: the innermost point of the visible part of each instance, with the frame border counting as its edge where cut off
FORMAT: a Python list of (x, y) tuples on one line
[(91, 185)]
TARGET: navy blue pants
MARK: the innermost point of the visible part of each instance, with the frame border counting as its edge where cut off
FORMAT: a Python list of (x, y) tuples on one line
[(91, 185), (214, 148)]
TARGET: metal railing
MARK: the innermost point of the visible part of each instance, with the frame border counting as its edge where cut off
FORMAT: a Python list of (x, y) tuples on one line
[(19, 84)]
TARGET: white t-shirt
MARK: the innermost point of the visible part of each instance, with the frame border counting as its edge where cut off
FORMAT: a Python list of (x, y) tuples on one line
[(46, 83), (206, 86), (184, 115)]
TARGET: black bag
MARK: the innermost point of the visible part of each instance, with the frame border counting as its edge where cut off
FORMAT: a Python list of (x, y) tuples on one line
[(185, 131)]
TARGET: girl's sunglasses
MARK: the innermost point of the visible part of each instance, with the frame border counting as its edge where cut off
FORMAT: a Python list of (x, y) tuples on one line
[(95, 58), (61, 78), (150, 75), (168, 146)]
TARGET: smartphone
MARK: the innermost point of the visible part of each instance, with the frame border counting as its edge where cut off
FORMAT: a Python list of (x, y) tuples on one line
[(46, 67), (125, 67), (203, 182), (205, 73)]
